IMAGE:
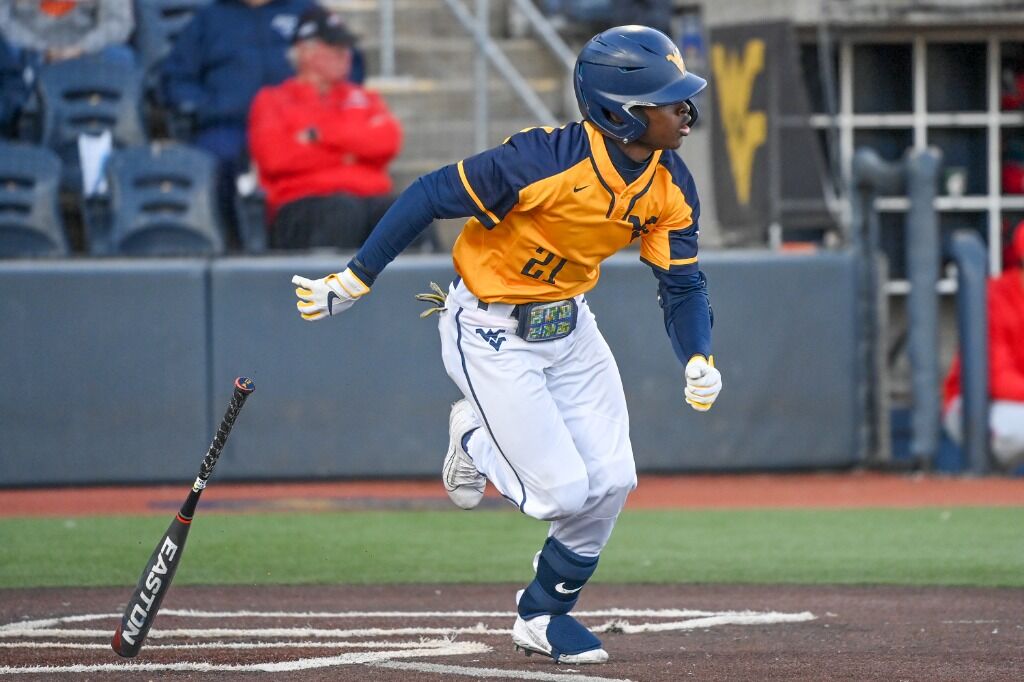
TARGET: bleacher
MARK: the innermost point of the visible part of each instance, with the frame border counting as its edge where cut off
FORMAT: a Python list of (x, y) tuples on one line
[(156, 193)]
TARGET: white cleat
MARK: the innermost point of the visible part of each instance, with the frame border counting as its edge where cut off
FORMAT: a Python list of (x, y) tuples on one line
[(531, 637), (465, 485)]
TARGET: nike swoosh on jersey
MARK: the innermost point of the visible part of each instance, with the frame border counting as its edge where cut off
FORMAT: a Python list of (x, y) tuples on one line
[(579, 189), (330, 302), (560, 588)]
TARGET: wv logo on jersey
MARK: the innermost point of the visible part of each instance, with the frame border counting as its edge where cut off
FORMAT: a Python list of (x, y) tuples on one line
[(639, 229), (745, 130), (493, 337)]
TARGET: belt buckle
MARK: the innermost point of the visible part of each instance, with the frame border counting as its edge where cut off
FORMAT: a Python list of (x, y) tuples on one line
[(547, 320)]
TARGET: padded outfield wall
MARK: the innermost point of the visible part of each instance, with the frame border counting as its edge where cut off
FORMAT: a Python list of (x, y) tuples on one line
[(118, 370)]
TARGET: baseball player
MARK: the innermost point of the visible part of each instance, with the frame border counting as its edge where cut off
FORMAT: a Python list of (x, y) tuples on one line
[(544, 416)]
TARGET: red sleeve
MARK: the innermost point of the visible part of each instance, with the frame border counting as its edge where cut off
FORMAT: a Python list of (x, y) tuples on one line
[(369, 133), (951, 386), (1006, 337), (274, 126)]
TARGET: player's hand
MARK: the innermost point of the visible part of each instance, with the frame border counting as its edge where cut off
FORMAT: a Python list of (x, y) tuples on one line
[(330, 295), (703, 382)]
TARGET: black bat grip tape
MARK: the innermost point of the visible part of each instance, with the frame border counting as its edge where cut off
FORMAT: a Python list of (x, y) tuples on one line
[(243, 389)]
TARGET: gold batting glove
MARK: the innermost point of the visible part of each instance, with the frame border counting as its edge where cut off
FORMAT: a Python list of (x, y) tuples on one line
[(328, 296), (703, 382), (436, 297)]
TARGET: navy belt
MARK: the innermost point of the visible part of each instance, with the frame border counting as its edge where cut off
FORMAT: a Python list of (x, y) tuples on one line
[(482, 305)]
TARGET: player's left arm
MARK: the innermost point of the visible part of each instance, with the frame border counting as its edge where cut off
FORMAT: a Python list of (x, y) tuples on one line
[(671, 252), (688, 321)]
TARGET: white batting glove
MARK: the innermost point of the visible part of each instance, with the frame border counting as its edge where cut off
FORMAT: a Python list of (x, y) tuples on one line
[(703, 382), (327, 296)]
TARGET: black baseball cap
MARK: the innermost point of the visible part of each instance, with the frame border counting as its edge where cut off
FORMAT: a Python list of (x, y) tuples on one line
[(317, 23)]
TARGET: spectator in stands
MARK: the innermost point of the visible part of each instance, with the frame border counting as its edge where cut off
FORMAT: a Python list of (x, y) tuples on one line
[(321, 144), (1006, 366), (12, 90), (573, 16), (229, 50), (654, 13), (46, 31)]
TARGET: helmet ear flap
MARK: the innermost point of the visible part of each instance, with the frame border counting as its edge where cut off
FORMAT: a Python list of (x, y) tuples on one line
[(694, 112)]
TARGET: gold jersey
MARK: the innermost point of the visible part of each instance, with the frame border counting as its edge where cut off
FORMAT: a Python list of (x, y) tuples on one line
[(550, 207)]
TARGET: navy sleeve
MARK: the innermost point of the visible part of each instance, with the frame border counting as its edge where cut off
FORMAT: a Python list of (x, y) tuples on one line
[(435, 195), (688, 316)]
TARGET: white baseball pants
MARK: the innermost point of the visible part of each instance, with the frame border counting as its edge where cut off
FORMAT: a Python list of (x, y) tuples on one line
[(555, 434)]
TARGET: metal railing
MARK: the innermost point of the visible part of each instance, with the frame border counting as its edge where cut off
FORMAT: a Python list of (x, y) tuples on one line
[(969, 253), (386, 8), (476, 25), (915, 174)]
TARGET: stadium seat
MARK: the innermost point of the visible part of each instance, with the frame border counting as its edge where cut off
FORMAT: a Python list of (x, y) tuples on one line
[(162, 202), (88, 96), (251, 214), (157, 24), (30, 222)]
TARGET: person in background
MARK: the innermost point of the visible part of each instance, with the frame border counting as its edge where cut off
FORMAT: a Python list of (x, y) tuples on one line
[(572, 16), (13, 90), (45, 31), (228, 51), (321, 144), (1006, 366)]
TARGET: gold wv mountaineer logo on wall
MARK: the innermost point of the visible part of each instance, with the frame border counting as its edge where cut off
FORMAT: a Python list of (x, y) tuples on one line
[(745, 130)]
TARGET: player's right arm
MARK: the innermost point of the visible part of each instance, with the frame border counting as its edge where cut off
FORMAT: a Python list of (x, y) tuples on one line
[(485, 186), (428, 198)]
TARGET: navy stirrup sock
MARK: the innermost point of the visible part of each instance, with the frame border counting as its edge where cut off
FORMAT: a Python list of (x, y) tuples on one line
[(561, 574)]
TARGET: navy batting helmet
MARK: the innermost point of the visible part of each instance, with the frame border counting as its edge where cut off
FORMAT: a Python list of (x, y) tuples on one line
[(626, 67)]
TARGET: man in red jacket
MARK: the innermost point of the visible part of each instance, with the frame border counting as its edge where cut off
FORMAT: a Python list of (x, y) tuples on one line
[(1006, 365), (321, 144)]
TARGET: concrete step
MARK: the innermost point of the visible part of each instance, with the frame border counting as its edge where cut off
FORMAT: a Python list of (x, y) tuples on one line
[(453, 58), (415, 98), (416, 18), (451, 140)]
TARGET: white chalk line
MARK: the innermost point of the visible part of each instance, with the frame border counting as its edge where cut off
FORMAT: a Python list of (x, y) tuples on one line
[(617, 625), (325, 633), (194, 613), (491, 673), (363, 644), (37, 629), (361, 658)]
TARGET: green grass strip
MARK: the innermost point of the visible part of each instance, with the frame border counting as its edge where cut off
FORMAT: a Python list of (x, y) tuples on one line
[(958, 546)]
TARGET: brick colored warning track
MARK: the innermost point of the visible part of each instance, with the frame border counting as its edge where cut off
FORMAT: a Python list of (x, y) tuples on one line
[(817, 490)]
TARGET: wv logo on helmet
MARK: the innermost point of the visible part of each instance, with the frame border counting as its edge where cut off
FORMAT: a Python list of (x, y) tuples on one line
[(493, 336)]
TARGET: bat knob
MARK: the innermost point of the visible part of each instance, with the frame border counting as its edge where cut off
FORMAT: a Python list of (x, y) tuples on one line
[(245, 385)]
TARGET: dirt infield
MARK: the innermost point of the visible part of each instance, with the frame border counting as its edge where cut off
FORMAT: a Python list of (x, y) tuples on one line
[(717, 491), (443, 632), (451, 632)]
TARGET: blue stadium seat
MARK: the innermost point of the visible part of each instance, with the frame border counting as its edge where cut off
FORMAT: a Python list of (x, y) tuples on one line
[(30, 222), (162, 201), (157, 24), (87, 96)]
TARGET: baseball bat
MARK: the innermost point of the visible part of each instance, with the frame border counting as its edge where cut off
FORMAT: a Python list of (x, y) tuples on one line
[(156, 577)]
